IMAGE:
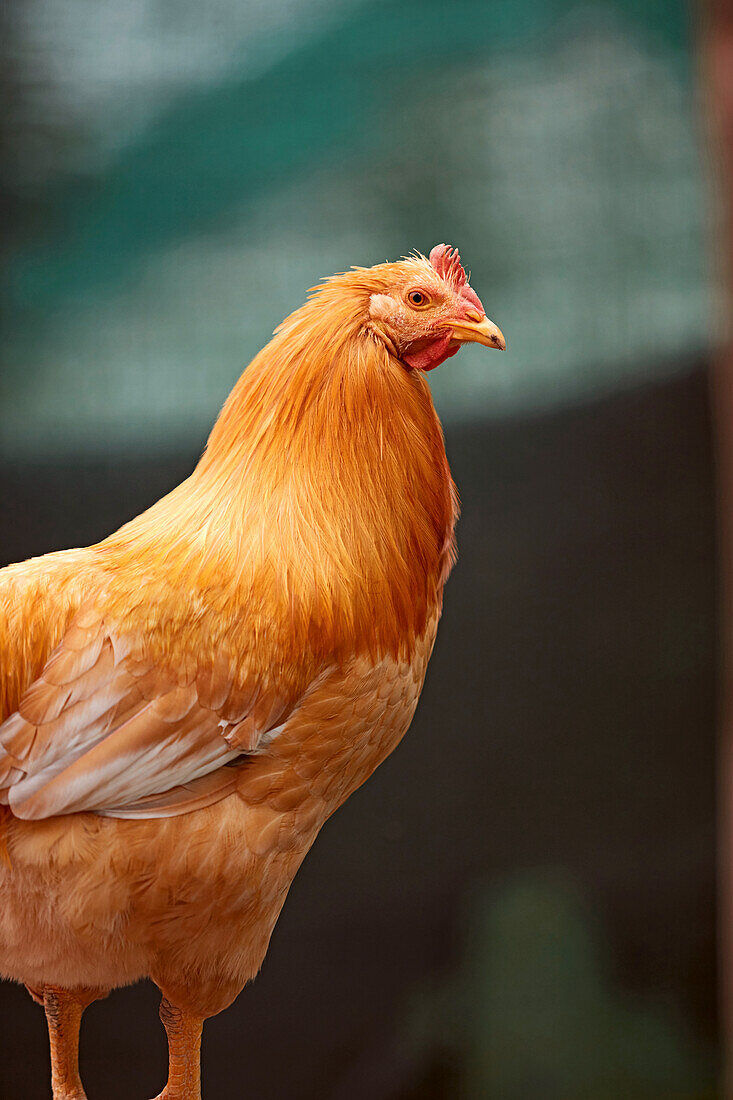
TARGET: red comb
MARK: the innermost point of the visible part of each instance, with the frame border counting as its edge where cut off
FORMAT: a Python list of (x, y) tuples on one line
[(447, 263)]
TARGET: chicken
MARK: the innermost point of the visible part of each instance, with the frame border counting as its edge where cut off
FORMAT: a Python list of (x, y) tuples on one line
[(184, 704)]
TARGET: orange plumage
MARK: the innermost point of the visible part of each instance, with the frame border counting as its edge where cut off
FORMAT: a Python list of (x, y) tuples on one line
[(184, 704)]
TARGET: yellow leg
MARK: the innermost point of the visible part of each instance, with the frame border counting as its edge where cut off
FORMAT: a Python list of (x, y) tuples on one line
[(184, 1053)]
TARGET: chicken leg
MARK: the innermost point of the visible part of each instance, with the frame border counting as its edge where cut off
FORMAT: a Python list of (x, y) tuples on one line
[(64, 1009), (184, 1052)]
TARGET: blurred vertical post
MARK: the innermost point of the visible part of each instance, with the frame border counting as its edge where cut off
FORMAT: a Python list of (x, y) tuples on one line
[(717, 43)]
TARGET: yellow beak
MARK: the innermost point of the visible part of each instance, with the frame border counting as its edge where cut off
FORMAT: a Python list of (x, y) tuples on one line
[(479, 332)]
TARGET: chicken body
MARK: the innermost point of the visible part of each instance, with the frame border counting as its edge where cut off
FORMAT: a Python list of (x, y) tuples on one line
[(191, 899), (185, 704)]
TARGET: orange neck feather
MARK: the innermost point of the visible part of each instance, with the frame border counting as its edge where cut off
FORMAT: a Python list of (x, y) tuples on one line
[(324, 492)]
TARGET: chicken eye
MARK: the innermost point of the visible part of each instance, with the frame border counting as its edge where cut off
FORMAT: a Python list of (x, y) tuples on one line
[(417, 298)]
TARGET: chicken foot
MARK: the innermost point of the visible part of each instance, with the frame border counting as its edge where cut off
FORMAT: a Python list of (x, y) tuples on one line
[(184, 1052)]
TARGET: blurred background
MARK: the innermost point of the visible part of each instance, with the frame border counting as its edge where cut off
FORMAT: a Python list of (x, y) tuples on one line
[(520, 904)]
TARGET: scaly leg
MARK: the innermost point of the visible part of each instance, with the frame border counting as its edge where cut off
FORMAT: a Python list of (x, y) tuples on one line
[(184, 1053), (64, 1010)]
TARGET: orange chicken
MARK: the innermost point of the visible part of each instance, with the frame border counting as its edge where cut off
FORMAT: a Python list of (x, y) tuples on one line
[(183, 705)]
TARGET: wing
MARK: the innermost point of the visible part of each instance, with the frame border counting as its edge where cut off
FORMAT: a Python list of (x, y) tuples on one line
[(104, 730)]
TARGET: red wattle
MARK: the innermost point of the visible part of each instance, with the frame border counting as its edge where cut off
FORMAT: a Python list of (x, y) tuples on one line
[(432, 354)]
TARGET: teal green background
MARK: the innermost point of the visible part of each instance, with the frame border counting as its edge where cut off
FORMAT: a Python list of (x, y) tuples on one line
[(209, 164)]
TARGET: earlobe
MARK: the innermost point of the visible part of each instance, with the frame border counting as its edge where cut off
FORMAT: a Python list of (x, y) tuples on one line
[(383, 307)]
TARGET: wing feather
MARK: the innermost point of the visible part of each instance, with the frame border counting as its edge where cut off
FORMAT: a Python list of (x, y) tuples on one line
[(182, 799), (103, 729)]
